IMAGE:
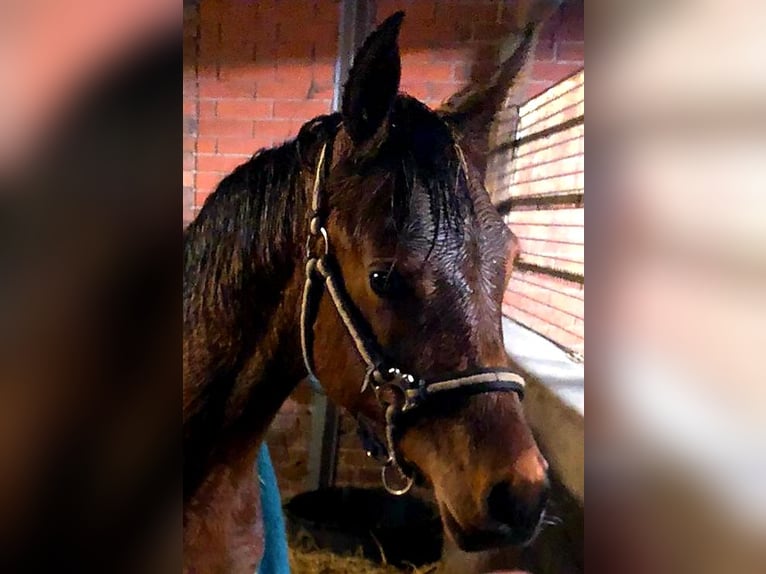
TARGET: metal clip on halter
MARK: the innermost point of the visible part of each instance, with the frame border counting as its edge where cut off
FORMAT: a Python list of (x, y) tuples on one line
[(313, 238), (389, 482)]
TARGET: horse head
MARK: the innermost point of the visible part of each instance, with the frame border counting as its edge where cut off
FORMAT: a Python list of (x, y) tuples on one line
[(421, 254)]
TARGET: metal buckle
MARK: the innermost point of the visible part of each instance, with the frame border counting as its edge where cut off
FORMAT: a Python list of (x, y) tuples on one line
[(391, 487), (313, 238), (391, 393), (390, 387)]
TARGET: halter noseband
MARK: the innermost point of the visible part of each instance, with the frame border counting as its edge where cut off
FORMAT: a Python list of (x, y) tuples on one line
[(396, 392)]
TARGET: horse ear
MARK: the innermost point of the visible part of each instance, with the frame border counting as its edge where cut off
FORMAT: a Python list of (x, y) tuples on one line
[(471, 110), (373, 81)]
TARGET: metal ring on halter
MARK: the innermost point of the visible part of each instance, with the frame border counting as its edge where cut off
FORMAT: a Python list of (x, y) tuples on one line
[(321, 233), (384, 472), (391, 393)]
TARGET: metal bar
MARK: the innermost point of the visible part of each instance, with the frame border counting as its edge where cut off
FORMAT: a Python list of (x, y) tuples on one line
[(549, 131), (554, 201), (357, 18), (544, 133), (527, 151), (526, 267)]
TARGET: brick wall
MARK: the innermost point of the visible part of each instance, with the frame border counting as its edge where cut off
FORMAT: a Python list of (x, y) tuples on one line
[(255, 71), (543, 180)]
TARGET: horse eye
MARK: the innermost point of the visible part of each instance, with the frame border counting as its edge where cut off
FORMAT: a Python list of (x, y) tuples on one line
[(386, 284)]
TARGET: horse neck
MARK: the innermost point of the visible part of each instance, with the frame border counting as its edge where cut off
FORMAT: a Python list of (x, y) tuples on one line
[(242, 358)]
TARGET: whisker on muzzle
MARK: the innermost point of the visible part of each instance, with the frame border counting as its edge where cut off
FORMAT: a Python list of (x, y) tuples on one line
[(551, 520), (546, 520)]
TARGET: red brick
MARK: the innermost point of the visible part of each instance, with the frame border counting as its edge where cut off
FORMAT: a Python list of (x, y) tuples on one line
[(416, 11), (188, 178), (300, 109), (219, 163), (207, 182), (414, 60), (292, 71), (189, 107), (296, 18), (237, 19), (249, 72), (226, 127), (188, 202), (261, 141), (545, 50), (190, 125), (571, 52), (321, 91), (214, 88), (326, 11), (190, 85), (323, 71), (277, 130), (439, 92), (534, 88), (469, 11), (250, 109), (298, 49), (553, 72), (462, 72), (284, 88), (189, 143), (457, 54), (206, 144), (572, 22), (483, 31), (242, 146), (188, 160), (201, 196), (207, 109), (417, 90)]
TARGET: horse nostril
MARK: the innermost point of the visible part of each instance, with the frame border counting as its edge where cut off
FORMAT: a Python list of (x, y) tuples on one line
[(517, 508), (502, 504)]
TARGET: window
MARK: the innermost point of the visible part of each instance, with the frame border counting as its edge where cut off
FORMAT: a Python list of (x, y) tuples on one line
[(536, 178)]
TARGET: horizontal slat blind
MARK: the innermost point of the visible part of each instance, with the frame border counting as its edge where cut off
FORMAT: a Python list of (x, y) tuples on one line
[(536, 179)]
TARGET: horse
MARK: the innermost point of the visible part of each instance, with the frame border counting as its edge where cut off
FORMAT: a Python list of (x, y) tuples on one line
[(365, 253)]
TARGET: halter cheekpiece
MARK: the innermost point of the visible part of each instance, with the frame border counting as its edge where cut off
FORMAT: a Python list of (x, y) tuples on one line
[(396, 391)]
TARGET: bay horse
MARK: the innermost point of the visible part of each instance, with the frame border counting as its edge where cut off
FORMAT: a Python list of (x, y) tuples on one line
[(364, 252)]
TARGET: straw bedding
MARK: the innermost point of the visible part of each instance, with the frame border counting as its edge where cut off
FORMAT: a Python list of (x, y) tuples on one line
[(324, 562)]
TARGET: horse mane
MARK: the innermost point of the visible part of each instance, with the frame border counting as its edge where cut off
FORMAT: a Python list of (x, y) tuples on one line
[(247, 222), (239, 253), (252, 223), (431, 166)]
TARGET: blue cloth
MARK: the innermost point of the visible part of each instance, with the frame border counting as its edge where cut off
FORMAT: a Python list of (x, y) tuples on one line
[(275, 558)]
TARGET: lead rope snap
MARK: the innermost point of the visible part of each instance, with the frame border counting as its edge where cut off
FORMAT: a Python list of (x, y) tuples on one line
[(397, 482), (390, 474)]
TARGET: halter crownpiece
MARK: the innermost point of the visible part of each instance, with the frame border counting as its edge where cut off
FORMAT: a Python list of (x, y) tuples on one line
[(397, 392)]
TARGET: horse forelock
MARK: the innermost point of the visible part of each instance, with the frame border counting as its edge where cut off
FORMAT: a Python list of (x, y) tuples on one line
[(416, 197)]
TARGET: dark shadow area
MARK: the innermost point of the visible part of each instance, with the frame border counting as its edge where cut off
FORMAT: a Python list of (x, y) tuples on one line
[(90, 336)]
